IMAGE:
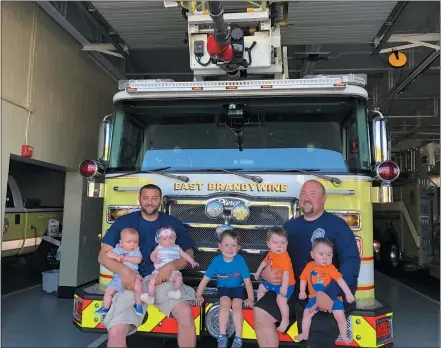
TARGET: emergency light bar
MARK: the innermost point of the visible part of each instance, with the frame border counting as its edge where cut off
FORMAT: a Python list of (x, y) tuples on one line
[(320, 81), (350, 79)]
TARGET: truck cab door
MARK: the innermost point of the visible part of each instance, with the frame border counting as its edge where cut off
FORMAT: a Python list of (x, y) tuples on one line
[(14, 224)]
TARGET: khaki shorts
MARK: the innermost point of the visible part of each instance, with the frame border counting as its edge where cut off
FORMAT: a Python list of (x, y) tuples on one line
[(121, 311)]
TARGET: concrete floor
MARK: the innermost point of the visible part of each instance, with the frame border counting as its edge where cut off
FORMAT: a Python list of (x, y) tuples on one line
[(416, 316), (16, 275), (33, 318)]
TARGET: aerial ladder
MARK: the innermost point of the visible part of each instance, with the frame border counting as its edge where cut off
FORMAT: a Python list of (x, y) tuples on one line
[(236, 46)]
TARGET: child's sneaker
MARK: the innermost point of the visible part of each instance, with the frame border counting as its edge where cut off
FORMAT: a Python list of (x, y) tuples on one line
[(102, 311), (138, 310), (222, 341), (175, 294), (147, 299), (237, 342)]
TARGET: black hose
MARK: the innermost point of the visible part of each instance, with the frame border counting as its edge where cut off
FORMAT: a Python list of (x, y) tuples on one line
[(221, 32), (248, 49), (198, 59)]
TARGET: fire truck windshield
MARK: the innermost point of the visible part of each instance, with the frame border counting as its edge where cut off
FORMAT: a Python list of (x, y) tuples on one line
[(320, 134)]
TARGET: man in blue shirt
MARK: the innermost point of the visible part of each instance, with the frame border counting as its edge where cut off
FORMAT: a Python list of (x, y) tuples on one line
[(314, 223), (121, 320)]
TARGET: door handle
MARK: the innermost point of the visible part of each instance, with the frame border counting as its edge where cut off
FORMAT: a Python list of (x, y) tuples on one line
[(17, 219)]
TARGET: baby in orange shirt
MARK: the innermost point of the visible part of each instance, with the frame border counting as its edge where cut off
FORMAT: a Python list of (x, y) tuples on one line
[(277, 241), (317, 275)]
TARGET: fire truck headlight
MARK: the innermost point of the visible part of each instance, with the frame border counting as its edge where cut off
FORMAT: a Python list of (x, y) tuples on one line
[(114, 212), (240, 212), (212, 321), (214, 209), (352, 219)]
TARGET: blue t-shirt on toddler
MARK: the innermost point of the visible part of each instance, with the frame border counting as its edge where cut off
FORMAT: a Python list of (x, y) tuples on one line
[(229, 274)]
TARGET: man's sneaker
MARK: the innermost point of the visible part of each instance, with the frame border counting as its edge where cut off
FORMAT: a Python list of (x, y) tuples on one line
[(237, 342), (102, 311), (138, 310), (222, 341)]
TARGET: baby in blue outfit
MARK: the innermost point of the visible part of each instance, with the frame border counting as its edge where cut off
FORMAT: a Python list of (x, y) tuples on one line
[(126, 251)]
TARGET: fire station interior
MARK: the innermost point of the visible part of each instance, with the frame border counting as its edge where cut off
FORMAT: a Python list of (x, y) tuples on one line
[(61, 64)]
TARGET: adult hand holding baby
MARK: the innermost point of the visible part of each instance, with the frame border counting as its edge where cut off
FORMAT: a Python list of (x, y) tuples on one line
[(128, 278), (164, 273), (271, 275)]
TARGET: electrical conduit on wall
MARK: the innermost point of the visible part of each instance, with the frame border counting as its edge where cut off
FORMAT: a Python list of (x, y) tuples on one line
[(29, 91), (28, 108), (29, 88)]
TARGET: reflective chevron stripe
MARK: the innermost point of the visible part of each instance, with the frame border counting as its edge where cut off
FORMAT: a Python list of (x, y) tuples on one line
[(89, 318), (156, 321), (249, 333), (361, 328)]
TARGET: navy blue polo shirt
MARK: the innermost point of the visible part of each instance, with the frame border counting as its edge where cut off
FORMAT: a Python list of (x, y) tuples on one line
[(301, 234), (147, 232)]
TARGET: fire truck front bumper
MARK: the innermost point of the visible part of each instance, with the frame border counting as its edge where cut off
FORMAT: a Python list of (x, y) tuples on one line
[(370, 325)]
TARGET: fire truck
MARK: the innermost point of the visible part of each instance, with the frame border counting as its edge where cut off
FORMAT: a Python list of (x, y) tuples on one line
[(408, 229), (231, 150)]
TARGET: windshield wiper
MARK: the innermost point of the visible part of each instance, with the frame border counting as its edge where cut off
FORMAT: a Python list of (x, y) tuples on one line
[(332, 179), (157, 171), (256, 179)]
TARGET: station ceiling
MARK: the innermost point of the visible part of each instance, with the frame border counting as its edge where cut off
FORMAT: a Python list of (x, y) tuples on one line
[(150, 42)]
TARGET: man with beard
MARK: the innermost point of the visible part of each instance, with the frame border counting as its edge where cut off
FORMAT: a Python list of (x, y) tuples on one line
[(314, 223), (121, 320)]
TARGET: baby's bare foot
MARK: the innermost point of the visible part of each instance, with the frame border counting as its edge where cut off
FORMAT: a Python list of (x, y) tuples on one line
[(283, 325), (346, 340), (301, 337)]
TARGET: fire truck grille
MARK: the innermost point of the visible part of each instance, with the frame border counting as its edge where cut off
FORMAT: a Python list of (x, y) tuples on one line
[(259, 215), (252, 232), (205, 237), (204, 259)]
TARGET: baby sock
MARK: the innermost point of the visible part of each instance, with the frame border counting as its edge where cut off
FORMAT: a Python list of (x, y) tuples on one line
[(175, 294), (147, 299)]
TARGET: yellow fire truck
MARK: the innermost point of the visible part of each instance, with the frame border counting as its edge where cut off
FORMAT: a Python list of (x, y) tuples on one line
[(231, 149)]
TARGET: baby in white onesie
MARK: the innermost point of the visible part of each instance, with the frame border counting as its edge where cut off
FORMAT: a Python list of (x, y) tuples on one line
[(166, 251)]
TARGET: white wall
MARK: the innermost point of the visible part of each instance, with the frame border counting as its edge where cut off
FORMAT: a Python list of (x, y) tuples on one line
[(79, 248), (48, 81)]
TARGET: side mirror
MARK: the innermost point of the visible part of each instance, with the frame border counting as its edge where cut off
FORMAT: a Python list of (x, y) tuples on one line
[(105, 138), (385, 170), (379, 140)]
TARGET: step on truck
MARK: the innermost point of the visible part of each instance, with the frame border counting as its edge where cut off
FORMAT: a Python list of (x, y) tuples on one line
[(231, 149)]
